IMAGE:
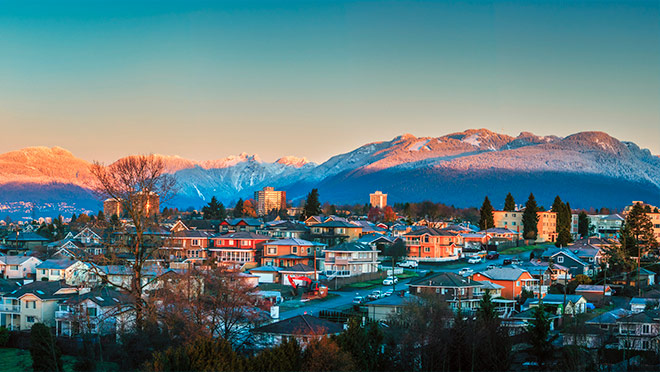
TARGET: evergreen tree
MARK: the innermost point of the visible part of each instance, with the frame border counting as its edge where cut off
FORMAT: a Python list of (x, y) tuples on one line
[(509, 203), (583, 224), (530, 218), (46, 356), (363, 342), (640, 226), (287, 356), (539, 335), (204, 354), (312, 204), (563, 224), (486, 220), (214, 210), (238, 209), (100, 216), (73, 218)]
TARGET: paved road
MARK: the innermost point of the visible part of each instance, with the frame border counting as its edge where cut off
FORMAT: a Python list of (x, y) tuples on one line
[(345, 300)]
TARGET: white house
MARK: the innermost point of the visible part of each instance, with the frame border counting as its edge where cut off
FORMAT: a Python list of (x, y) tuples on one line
[(18, 267), (74, 272)]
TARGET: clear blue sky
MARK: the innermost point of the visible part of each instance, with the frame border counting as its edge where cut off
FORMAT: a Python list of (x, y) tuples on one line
[(314, 78)]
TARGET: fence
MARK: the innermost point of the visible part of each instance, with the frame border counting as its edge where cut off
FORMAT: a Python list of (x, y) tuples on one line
[(341, 282)]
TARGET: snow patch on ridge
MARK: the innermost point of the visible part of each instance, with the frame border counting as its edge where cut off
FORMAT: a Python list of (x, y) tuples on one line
[(419, 145), (472, 140)]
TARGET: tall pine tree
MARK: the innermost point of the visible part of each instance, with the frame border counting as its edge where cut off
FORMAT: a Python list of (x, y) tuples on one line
[(214, 210), (486, 219), (509, 203), (312, 204), (530, 218), (238, 209), (583, 224), (563, 224)]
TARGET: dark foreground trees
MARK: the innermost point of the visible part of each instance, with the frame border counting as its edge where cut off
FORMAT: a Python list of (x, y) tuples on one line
[(46, 356)]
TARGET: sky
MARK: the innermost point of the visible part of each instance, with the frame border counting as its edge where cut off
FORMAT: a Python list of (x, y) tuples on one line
[(204, 80)]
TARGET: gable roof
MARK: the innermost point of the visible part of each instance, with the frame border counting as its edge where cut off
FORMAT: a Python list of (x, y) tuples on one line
[(301, 325), (504, 273), (246, 221), (103, 297), (16, 260), (301, 268), (60, 264), (351, 247), (446, 279), (295, 241), (44, 290), (430, 231), (646, 316), (344, 224), (26, 236), (609, 317), (242, 235)]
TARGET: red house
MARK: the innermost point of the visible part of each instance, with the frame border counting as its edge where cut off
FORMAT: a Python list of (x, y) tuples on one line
[(238, 247)]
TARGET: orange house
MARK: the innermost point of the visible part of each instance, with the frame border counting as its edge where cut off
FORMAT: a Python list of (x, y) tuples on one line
[(290, 252), (430, 244), (513, 279), (238, 247), (187, 244)]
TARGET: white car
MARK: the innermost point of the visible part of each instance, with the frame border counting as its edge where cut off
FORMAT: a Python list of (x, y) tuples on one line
[(410, 264), (388, 293), (390, 280), (465, 271), (474, 260)]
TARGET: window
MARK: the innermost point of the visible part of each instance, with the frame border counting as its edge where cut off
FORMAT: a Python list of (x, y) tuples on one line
[(560, 259), (245, 243), (195, 242), (13, 267), (646, 328), (437, 290), (518, 284), (231, 242), (272, 250), (91, 311), (309, 250), (30, 319), (427, 249), (294, 249)]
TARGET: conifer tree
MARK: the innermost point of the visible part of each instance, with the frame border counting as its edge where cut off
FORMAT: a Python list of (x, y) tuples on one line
[(46, 356), (583, 224), (509, 203), (530, 218), (214, 210), (238, 209), (486, 219), (312, 204)]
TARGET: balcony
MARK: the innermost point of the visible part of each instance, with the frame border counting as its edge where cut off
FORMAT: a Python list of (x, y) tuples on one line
[(10, 308), (61, 314)]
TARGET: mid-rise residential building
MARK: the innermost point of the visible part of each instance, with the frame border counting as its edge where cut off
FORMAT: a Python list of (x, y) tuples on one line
[(269, 199), (513, 220), (378, 200)]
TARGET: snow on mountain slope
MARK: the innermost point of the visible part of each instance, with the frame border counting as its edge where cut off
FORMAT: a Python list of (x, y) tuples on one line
[(43, 165)]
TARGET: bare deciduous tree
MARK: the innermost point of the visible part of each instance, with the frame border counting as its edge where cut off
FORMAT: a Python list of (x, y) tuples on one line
[(133, 182)]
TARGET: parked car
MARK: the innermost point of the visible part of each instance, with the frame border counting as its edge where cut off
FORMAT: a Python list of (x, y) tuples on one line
[(507, 262), (474, 260), (390, 280), (516, 261), (410, 264), (465, 271), (374, 295), (388, 293), (490, 267), (492, 256), (358, 300)]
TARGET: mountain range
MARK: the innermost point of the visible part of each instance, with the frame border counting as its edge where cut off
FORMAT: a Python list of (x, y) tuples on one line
[(589, 169)]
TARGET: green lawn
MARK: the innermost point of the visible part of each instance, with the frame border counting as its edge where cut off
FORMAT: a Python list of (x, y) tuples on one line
[(516, 250), (18, 360)]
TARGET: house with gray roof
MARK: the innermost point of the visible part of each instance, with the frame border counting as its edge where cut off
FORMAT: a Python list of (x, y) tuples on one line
[(18, 267), (74, 272), (32, 303), (350, 259), (101, 311)]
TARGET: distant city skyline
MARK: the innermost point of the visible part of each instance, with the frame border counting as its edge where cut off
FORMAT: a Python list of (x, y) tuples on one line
[(205, 80)]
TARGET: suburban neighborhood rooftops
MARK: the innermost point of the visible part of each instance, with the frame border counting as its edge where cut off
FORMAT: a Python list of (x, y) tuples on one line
[(44, 290), (609, 317), (431, 231), (344, 224), (592, 288), (298, 268), (15, 260), (647, 316), (242, 235)]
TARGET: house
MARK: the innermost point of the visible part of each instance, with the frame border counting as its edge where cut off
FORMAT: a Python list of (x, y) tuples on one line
[(560, 304), (18, 267), (22, 241), (74, 272), (332, 233), (34, 302), (639, 331), (460, 293), (290, 252), (209, 226), (385, 308), (377, 241), (639, 304), (519, 323), (594, 293), (607, 321), (240, 224), (286, 230), (568, 259), (502, 234), (302, 328), (350, 259), (184, 244), (267, 274), (100, 312), (512, 279), (433, 245), (238, 247)]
